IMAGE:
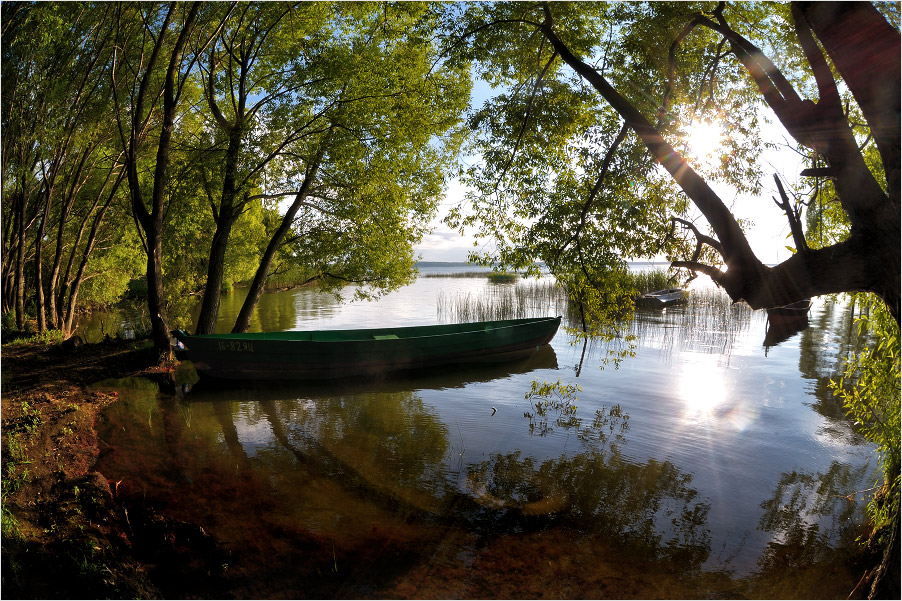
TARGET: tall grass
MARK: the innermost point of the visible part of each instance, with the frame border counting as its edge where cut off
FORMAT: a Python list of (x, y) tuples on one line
[(648, 281), (530, 298), (708, 322), (524, 299), (497, 277)]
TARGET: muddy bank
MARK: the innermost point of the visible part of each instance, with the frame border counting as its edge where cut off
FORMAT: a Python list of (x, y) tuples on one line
[(65, 535)]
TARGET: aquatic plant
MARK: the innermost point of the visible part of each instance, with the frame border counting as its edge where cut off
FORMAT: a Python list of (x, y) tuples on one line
[(502, 277), (555, 397), (870, 391), (649, 280), (524, 299), (497, 277)]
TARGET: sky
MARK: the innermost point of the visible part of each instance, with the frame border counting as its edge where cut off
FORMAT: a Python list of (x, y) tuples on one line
[(768, 236)]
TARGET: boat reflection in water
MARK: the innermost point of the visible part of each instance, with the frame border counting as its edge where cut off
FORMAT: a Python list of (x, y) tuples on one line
[(455, 376)]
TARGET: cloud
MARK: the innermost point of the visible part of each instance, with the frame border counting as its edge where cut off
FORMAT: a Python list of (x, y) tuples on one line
[(444, 244)]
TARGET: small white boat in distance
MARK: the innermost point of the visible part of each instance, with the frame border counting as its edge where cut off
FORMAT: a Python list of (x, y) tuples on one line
[(660, 299)]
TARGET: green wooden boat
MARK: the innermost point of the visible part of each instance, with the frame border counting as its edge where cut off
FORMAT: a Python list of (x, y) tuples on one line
[(321, 354)]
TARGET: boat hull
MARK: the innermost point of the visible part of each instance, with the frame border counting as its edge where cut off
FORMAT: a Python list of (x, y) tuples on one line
[(329, 354), (661, 299)]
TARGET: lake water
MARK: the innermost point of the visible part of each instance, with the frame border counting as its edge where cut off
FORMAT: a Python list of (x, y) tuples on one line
[(707, 465)]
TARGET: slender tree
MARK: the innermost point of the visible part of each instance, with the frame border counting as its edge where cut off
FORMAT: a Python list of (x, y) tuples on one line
[(137, 112), (367, 127)]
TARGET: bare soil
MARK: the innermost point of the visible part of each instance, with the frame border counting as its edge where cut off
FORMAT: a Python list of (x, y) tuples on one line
[(65, 535)]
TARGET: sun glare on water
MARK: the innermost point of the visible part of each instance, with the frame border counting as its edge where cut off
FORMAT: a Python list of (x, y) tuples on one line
[(708, 396), (702, 389)]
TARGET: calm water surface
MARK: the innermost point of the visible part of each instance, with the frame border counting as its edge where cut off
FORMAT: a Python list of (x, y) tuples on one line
[(705, 466)]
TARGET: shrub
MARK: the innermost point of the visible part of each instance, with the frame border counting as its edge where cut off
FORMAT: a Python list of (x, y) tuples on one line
[(870, 391)]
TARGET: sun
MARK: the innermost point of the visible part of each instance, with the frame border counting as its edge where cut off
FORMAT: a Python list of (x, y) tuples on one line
[(704, 140)]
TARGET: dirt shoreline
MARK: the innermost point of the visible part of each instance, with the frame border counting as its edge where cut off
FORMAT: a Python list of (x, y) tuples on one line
[(65, 534)]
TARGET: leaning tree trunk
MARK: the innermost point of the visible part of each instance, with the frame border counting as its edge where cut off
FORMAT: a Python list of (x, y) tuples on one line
[(20, 262), (38, 262), (256, 291)]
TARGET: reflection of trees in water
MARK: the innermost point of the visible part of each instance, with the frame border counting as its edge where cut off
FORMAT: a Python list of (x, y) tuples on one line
[(369, 470), (391, 449), (388, 447), (823, 349), (815, 520), (277, 311), (802, 498), (597, 492), (649, 505)]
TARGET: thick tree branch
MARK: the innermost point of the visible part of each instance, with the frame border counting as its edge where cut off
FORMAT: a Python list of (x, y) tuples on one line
[(826, 86), (714, 273), (211, 94), (865, 50), (700, 238)]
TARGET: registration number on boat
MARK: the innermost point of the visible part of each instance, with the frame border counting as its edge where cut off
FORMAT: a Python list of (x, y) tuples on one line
[(236, 345)]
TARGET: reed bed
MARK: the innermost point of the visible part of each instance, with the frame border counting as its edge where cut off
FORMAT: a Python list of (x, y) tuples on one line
[(496, 277), (650, 280), (523, 299), (708, 322), (529, 298)]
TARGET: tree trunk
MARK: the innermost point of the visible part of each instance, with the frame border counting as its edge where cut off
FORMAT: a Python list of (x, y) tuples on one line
[(10, 229), (209, 311), (151, 222), (155, 300), (10, 246), (38, 263), (20, 262), (256, 290)]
